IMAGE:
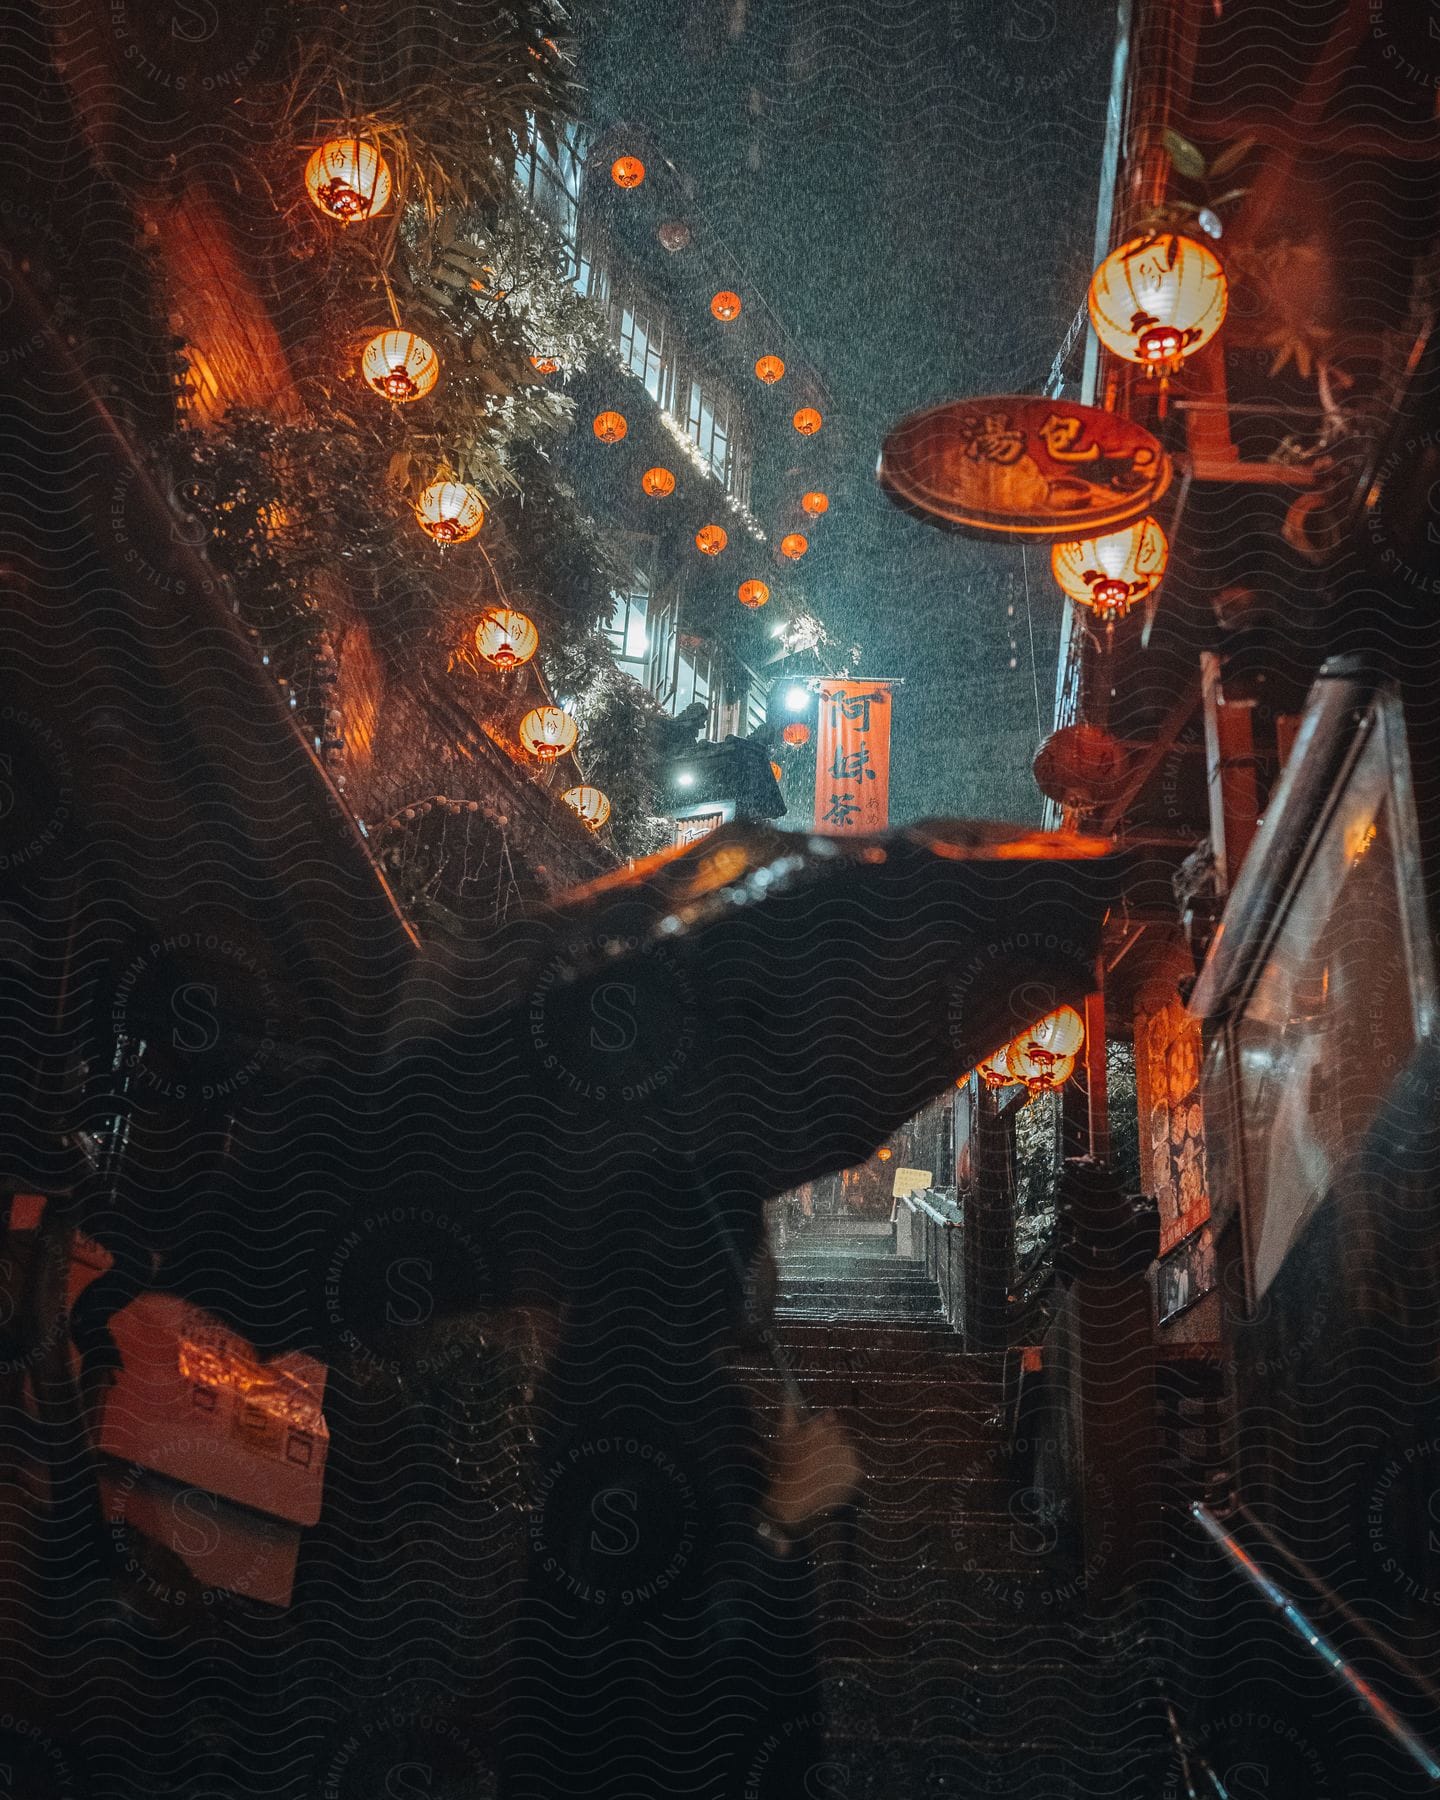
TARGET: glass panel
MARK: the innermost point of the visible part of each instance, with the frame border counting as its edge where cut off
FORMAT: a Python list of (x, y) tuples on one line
[(1329, 1021)]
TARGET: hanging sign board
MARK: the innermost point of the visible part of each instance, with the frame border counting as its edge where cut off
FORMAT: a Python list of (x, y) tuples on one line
[(1011, 465), (852, 758)]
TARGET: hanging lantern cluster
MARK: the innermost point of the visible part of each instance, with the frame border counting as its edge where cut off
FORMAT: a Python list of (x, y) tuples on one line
[(1108, 575), (1041, 1058), (505, 638), (592, 806), (400, 366), (348, 180), (548, 732), (1158, 299)]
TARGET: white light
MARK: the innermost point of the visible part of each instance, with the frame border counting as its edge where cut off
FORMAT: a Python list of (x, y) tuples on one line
[(777, 630), (685, 779), (797, 699)]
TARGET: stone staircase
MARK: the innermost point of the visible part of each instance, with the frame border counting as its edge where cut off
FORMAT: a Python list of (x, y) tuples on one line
[(959, 1660)]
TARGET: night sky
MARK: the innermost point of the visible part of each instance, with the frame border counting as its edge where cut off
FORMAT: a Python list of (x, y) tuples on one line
[(910, 184)]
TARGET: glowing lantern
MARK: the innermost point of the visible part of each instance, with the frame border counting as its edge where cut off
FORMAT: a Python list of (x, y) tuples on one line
[(884, 1153), (777, 771), (1038, 1078), (627, 171), (993, 1071), (794, 544), (726, 306), (797, 732), (544, 365), (592, 806), (815, 503), (1059, 1033), (1043, 1057), (547, 732), (506, 638), (1109, 574), (753, 593), (348, 179), (710, 540), (807, 421), (610, 427), (658, 482), (450, 512), (1156, 300), (400, 366), (769, 369)]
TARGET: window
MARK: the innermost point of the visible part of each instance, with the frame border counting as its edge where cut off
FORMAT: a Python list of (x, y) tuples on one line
[(552, 184), (755, 694), (642, 340), (661, 675), (708, 424), (628, 630)]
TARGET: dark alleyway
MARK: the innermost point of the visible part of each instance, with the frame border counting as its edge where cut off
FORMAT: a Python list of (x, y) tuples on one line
[(958, 1656)]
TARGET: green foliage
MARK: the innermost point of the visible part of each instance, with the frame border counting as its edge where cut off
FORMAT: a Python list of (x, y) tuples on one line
[(447, 91), (618, 746)]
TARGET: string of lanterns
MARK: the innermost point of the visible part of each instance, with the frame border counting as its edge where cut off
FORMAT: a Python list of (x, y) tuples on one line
[(1153, 301), (1041, 1059), (725, 306), (348, 181)]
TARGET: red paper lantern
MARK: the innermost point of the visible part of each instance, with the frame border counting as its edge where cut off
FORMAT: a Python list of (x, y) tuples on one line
[(506, 638), (710, 540), (627, 171), (544, 365), (658, 483), (610, 427), (1110, 574), (807, 421), (815, 503), (450, 512), (753, 593), (769, 369), (794, 544), (592, 806), (548, 732), (726, 306), (400, 366), (1158, 299), (348, 180), (796, 733)]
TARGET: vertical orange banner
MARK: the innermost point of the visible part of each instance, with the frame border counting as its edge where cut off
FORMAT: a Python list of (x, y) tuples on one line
[(852, 757)]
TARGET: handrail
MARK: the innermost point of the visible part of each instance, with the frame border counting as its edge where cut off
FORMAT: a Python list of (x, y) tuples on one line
[(1384, 1714), (918, 1203)]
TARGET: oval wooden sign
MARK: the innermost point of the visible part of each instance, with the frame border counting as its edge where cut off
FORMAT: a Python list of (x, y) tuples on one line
[(1012, 464)]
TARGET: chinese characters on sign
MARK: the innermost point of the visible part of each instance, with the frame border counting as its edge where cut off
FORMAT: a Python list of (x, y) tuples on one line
[(852, 759), (1010, 463)]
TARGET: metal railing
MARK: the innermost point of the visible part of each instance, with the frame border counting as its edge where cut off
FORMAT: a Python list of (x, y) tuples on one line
[(927, 1230)]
